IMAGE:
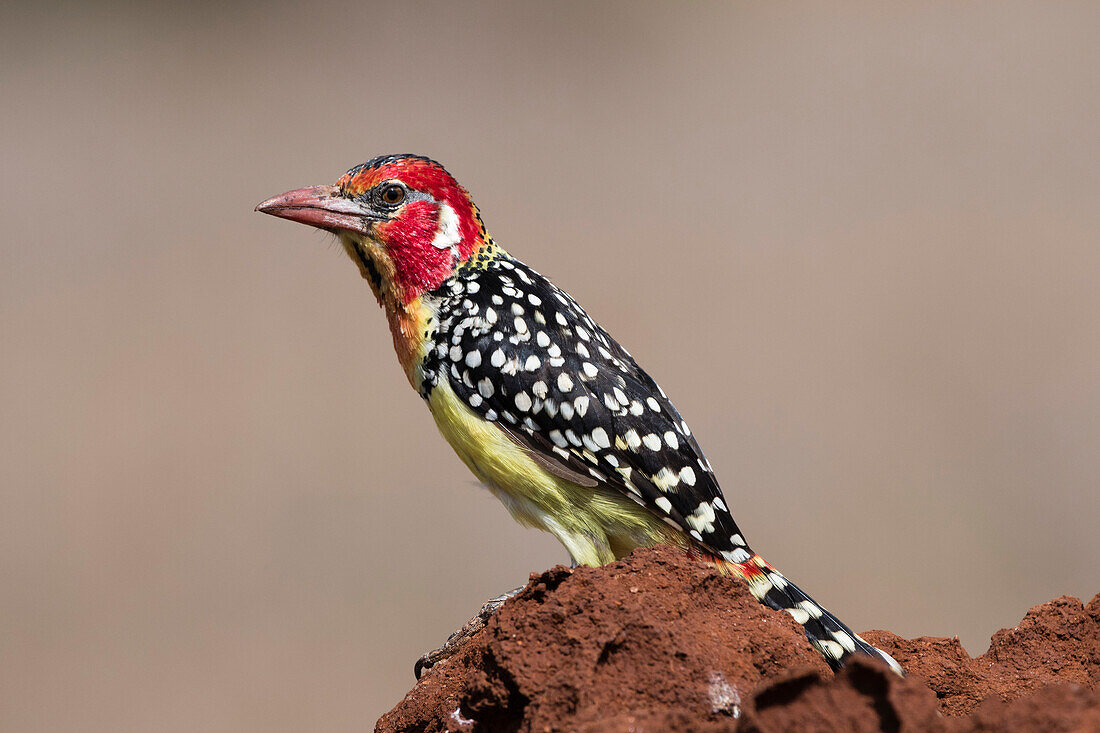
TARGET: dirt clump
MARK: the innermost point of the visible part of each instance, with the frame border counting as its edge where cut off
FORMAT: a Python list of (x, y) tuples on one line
[(1056, 642), (659, 641)]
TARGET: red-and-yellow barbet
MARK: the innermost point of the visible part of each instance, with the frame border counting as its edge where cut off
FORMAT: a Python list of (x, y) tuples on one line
[(537, 399)]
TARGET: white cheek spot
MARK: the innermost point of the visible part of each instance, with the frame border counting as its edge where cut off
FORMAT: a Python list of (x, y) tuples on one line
[(447, 235)]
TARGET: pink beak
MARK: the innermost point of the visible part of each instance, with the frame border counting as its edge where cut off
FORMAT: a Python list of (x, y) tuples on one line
[(319, 206)]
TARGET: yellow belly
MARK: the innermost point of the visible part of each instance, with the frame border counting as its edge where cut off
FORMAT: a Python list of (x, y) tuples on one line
[(596, 525)]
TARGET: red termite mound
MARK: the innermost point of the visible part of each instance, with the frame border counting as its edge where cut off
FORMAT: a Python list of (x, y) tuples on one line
[(661, 642)]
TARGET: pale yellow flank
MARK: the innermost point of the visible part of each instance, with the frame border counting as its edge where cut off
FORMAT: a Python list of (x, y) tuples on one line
[(596, 525)]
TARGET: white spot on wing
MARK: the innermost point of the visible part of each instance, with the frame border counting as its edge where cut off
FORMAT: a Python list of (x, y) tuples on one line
[(599, 435), (523, 401)]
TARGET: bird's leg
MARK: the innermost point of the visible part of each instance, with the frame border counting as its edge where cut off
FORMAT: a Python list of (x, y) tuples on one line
[(459, 638)]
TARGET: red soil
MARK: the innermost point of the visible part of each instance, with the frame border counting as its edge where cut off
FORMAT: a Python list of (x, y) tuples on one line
[(661, 642)]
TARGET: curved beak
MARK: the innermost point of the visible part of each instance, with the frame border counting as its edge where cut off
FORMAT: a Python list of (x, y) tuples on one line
[(320, 206)]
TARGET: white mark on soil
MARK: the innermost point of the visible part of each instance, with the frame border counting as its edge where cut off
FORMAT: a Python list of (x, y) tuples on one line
[(723, 696), (456, 716)]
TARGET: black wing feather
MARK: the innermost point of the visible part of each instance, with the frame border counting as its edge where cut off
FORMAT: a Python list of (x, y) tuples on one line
[(521, 352)]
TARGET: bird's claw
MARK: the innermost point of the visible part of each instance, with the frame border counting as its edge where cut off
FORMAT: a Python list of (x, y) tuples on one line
[(458, 639)]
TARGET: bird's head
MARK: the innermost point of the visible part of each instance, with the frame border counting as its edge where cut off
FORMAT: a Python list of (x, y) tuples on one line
[(403, 219)]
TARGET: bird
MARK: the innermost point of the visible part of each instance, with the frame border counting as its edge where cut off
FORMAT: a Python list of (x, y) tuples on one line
[(539, 401)]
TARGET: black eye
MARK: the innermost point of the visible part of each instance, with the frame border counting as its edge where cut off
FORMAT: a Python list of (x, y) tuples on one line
[(392, 194)]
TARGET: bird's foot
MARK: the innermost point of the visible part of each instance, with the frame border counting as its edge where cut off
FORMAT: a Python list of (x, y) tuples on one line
[(458, 639)]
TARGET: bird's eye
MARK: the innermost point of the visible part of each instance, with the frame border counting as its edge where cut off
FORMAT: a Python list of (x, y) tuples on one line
[(392, 195)]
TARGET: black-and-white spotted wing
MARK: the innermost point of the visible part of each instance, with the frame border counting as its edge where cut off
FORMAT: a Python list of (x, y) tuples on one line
[(522, 353)]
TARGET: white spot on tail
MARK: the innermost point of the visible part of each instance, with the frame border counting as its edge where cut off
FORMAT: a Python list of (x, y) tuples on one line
[(798, 615)]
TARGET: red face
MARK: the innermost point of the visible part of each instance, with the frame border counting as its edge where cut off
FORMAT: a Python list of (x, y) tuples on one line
[(403, 217)]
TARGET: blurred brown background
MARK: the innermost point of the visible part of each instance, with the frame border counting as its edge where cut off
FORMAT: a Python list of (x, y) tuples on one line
[(857, 246)]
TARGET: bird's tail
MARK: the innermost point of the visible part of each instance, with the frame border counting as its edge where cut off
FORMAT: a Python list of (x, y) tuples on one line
[(826, 632)]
